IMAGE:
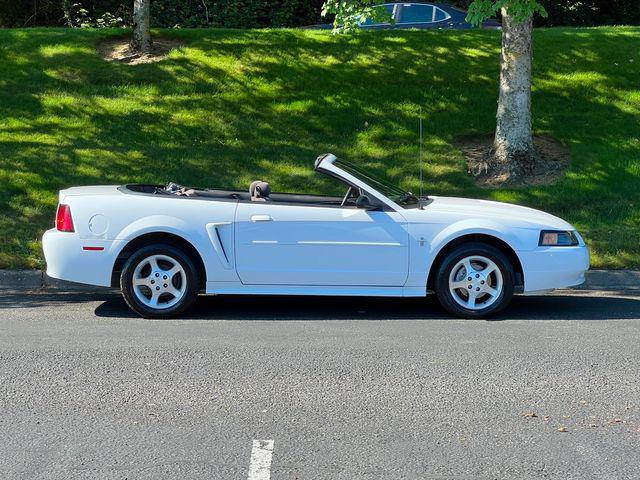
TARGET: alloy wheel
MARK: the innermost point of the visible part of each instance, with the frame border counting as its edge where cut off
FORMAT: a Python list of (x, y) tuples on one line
[(159, 281), (475, 282)]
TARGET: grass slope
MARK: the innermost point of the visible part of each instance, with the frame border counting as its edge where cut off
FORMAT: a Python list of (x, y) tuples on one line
[(234, 106)]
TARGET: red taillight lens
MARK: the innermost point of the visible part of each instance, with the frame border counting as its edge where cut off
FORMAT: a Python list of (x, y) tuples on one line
[(64, 222)]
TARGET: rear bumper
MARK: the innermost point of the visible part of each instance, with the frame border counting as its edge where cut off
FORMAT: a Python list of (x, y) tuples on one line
[(68, 260), (554, 267)]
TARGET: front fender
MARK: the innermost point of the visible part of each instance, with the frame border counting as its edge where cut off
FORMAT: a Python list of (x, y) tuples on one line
[(517, 239), (422, 259)]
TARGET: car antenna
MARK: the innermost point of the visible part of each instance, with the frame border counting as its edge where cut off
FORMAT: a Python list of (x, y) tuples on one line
[(420, 152)]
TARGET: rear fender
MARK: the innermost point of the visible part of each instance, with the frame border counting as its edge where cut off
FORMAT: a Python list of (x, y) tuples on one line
[(197, 236)]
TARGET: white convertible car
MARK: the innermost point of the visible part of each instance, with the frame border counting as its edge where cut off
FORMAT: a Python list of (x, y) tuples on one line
[(163, 245)]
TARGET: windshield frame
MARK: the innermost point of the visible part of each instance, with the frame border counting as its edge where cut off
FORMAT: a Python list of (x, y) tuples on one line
[(383, 190)]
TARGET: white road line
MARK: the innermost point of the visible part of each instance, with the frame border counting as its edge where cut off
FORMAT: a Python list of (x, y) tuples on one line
[(260, 464)]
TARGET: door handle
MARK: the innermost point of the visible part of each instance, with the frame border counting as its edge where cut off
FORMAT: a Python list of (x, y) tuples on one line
[(261, 218)]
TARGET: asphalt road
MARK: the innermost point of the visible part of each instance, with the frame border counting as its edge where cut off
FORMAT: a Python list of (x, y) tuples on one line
[(346, 389)]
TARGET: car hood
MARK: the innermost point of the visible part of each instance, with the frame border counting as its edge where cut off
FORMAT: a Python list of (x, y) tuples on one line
[(505, 213)]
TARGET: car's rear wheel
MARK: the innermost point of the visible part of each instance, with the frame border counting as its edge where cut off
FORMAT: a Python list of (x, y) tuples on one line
[(474, 280), (159, 281)]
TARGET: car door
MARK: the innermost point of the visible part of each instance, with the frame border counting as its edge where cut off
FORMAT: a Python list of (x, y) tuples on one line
[(285, 244)]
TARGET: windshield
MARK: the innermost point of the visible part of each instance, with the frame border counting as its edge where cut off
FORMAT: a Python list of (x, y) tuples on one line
[(389, 190)]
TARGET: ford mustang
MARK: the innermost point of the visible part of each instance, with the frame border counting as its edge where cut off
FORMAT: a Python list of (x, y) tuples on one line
[(163, 245)]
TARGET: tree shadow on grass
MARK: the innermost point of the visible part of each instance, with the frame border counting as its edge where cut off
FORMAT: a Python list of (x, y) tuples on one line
[(233, 106)]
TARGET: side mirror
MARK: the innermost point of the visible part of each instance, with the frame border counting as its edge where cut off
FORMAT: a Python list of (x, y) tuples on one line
[(364, 202)]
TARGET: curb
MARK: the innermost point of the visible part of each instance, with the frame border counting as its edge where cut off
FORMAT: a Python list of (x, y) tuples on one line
[(30, 280), (611, 280), (38, 280)]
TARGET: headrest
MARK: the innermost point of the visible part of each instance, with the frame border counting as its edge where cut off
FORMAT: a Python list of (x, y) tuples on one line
[(259, 189)]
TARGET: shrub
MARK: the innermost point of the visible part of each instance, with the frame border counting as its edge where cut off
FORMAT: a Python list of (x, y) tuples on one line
[(164, 13), (588, 13), (79, 17), (271, 13), (591, 12), (14, 13)]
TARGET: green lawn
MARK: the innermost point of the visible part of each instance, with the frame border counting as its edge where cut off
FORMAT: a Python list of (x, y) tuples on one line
[(234, 106)]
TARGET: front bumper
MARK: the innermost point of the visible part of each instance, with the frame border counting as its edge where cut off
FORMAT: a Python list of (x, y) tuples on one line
[(67, 260), (547, 268)]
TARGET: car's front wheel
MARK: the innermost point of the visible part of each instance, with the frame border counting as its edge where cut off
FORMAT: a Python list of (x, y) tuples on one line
[(159, 281), (474, 280)]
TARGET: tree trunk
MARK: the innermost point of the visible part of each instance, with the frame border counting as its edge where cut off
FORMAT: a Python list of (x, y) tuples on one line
[(513, 144), (141, 41)]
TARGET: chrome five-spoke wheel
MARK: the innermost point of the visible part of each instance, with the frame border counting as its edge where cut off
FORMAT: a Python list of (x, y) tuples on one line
[(475, 282), (159, 281)]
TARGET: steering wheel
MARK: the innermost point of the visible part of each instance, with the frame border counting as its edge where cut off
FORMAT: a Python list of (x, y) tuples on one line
[(346, 196)]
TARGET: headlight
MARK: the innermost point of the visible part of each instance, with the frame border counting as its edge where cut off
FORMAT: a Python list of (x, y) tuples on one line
[(558, 238)]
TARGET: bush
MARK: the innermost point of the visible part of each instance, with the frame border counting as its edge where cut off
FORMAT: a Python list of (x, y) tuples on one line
[(164, 13), (79, 17), (15, 13), (583, 13), (271, 13), (590, 12), (235, 13)]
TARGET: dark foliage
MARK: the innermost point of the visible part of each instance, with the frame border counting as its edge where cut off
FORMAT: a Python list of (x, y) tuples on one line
[(281, 13), (235, 13), (27, 13), (590, 12), (583, 13), (169, 13)]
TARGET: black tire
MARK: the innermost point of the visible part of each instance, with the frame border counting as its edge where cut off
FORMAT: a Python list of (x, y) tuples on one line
[(190, 275), (449, 262)]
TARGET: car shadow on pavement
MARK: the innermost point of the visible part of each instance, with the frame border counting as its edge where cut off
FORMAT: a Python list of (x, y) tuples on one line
[(604, 306), (555, 307)]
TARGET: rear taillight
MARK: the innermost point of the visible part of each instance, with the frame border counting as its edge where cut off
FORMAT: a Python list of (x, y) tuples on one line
[(64, 222)]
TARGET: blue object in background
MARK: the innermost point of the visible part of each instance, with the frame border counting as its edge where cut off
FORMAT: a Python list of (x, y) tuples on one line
[(420, 15)]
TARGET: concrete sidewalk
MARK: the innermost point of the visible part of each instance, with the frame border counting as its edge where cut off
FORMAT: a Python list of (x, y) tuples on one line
[(24, 280)]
